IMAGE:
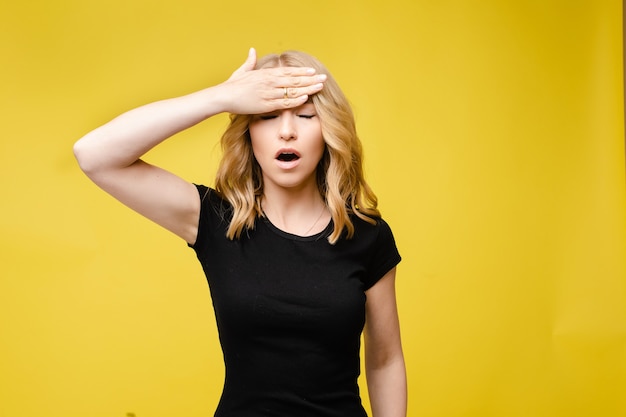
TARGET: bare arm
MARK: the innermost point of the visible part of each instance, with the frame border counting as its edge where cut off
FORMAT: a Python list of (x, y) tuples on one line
[(384, 360), (110, 155)]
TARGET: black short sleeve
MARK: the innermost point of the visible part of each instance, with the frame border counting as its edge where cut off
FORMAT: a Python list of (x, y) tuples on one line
[(385, 255), (215, 214)]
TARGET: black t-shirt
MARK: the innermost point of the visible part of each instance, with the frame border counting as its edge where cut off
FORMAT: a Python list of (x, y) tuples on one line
[(290, 311)]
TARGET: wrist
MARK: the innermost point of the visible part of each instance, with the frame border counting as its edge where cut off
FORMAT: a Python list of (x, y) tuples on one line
[(210, 101)]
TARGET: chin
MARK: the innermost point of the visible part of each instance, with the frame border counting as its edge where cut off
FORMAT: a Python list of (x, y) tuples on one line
[(292, 183)]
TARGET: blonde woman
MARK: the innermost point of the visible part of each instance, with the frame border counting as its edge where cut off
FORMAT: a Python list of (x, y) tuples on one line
[(298, 260)]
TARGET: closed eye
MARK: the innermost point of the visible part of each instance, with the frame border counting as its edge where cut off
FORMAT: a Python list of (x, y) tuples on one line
[(306, 116), (267, 116)]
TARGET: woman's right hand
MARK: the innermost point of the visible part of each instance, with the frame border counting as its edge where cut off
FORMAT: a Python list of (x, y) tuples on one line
[(256, 91)]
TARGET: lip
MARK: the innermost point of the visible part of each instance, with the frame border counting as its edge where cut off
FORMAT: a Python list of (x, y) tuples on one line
[(287, 150), (287, 164)]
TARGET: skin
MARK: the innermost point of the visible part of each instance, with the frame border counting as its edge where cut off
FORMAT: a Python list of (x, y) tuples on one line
[(111, 157), (384, 361), (291, 197)]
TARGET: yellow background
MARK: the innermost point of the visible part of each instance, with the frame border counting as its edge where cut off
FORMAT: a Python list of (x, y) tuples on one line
[(493, 133)]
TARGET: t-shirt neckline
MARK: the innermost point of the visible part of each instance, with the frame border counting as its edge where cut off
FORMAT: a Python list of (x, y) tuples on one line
[(292, 236)]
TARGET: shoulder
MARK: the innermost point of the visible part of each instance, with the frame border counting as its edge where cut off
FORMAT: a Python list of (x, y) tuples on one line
[(215, 215), (370, 234), (376, 242), (211, 197), (373, 226), (213, 207)]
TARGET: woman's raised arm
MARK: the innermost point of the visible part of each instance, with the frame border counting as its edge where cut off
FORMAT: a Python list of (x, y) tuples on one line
[(110, 155)]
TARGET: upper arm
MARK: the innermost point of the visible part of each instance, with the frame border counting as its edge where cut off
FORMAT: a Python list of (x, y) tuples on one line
[(155, 193), (382, 327)]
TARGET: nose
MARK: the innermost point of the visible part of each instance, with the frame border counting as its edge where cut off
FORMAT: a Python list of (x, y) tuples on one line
[(287, 128)]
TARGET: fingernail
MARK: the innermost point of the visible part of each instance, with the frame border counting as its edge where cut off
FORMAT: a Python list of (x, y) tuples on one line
[(310, 71), (321, 77)]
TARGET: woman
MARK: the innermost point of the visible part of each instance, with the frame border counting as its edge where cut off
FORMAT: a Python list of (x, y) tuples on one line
[(298, 260)]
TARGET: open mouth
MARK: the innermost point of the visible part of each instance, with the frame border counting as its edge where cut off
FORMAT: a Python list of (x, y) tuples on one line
[(287, 156)]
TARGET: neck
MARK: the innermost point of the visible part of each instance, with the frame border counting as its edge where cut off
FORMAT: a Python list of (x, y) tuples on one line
[(297, 211)]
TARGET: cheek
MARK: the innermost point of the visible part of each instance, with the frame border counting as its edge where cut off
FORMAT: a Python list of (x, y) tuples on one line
[(256, 140), (254, 132), (320, 145), (312, 134), (320, 149)]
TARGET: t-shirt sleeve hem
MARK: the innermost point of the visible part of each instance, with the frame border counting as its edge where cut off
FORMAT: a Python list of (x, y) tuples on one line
[(203, 192), (382, 271)]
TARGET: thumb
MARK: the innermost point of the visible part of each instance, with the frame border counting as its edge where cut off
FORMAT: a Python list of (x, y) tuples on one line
[(250, 62)]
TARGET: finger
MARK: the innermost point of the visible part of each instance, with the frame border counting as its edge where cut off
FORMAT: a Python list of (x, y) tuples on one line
[(251, 60), (294, 102), (249, 64), (304, 81), (293, 92), (292, 71), (289, 92)]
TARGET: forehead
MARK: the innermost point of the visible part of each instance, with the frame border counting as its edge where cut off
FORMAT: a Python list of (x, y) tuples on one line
[(308, 107)]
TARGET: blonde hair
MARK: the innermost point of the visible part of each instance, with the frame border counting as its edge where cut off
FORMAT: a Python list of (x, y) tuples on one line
[(340, 177)]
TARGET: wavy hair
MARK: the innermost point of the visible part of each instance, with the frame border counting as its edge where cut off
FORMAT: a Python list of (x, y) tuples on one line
[(339, 174)]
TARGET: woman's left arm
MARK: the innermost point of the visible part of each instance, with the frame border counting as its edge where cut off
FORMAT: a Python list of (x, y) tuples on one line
[(384, 361)]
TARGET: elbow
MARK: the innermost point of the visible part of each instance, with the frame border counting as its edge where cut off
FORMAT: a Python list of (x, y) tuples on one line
[(91, 157), (82, 155), (375, 362), (383, 355)]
